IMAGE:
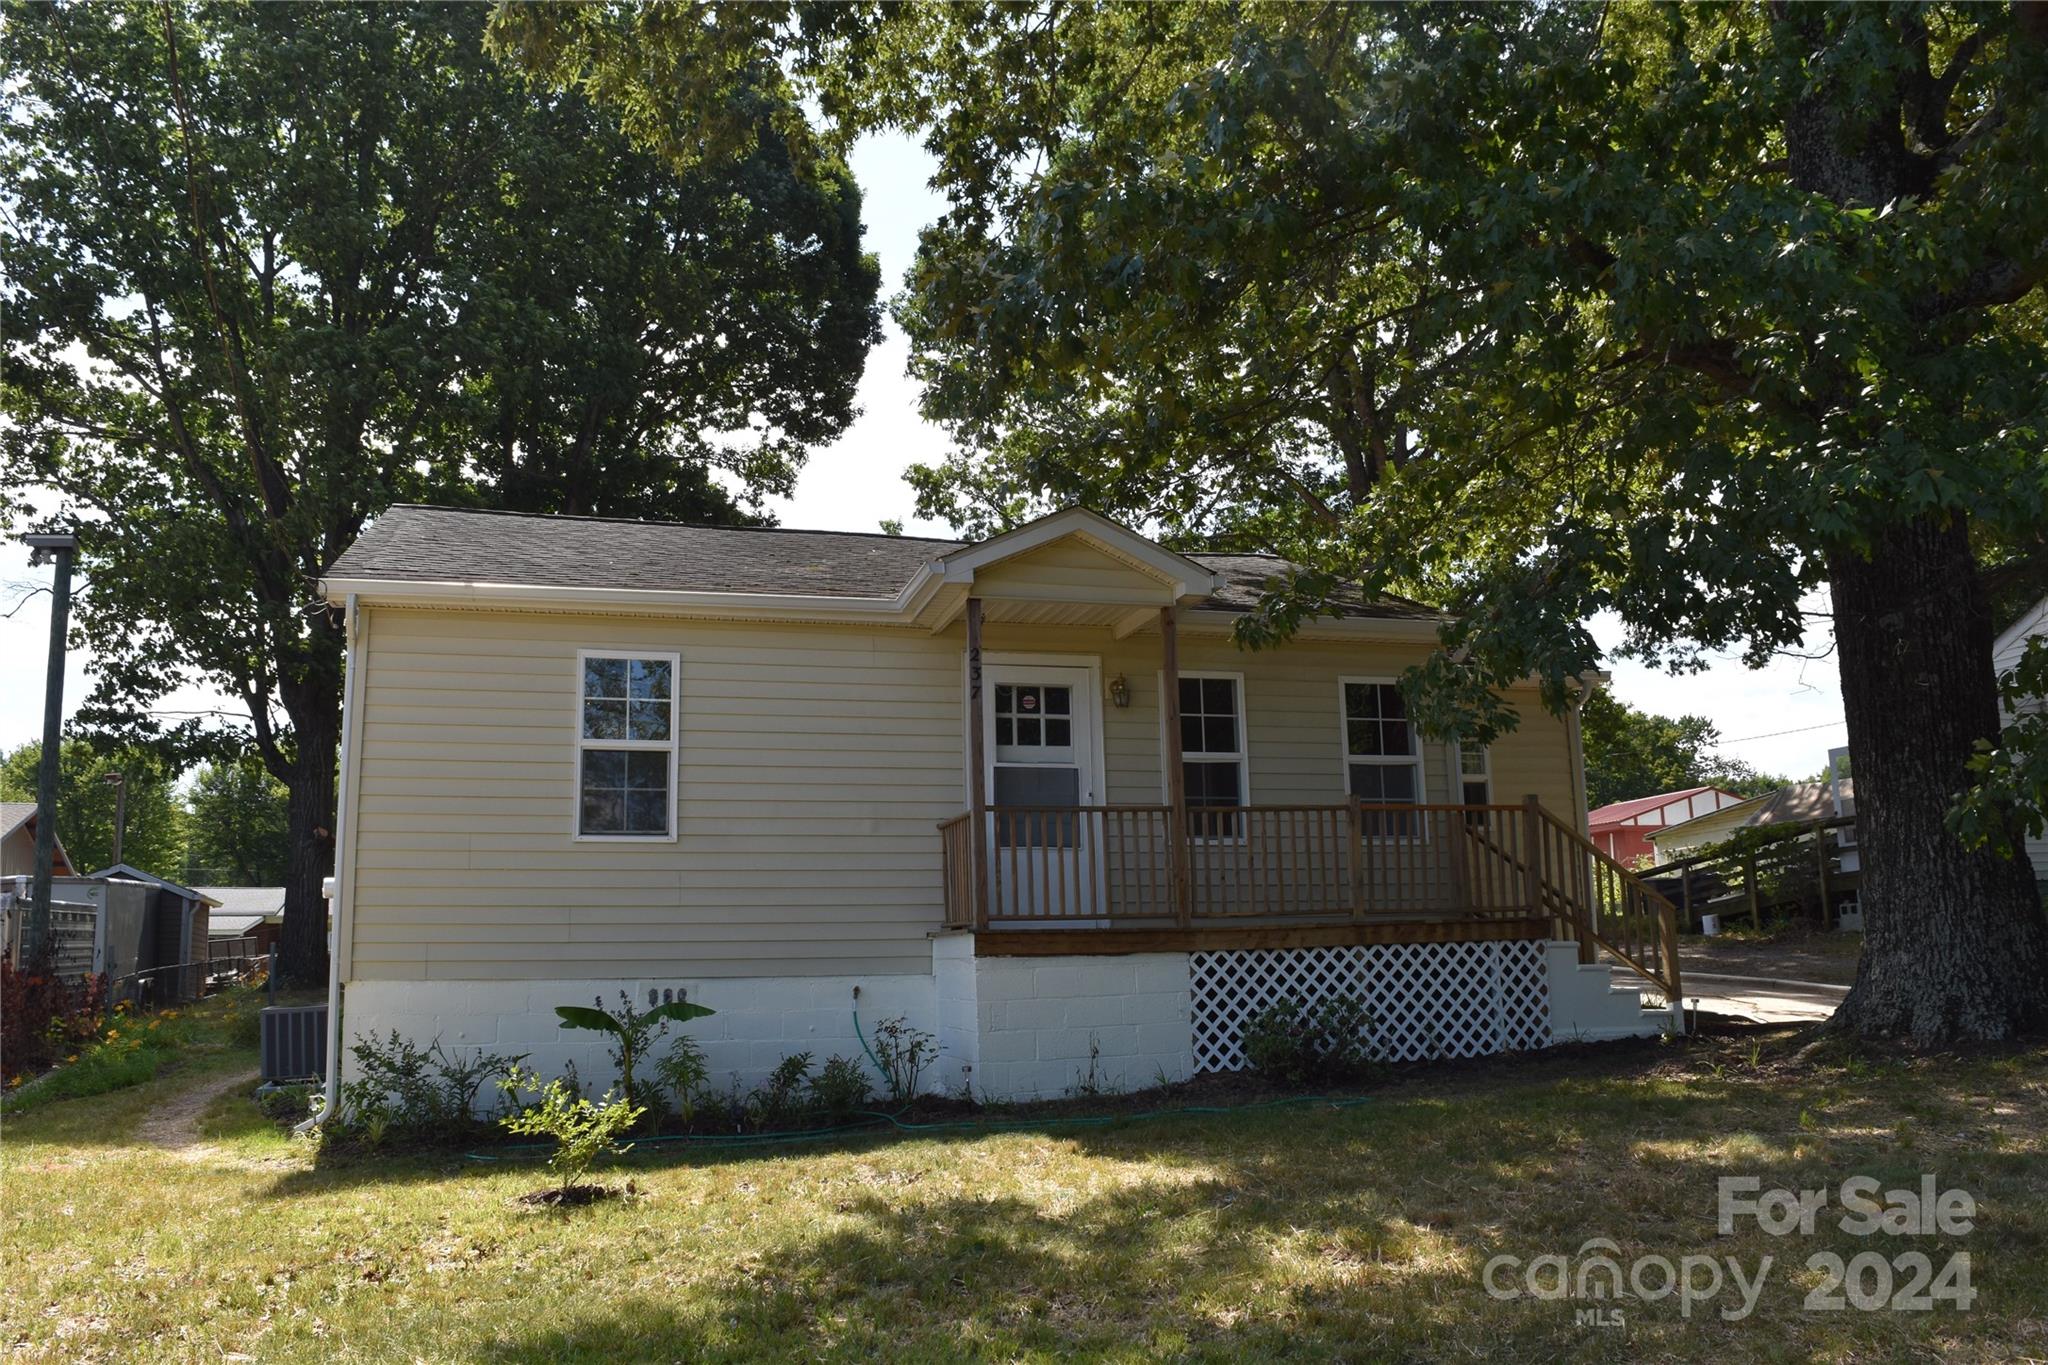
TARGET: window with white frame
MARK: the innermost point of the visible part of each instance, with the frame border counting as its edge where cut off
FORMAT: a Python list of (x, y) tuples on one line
[(1382, 758), (626, 746), (1475, 774), (1212, 747)]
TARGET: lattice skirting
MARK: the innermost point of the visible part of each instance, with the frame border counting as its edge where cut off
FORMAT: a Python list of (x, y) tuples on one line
[(1428, 999)]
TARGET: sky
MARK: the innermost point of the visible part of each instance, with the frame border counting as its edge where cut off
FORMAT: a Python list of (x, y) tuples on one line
[(1781, 719)]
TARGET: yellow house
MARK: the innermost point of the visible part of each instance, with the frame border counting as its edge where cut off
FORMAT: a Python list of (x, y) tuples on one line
[(1026, 793)]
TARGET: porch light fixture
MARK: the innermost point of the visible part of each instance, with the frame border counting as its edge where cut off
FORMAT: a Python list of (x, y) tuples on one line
[(1119, 692)]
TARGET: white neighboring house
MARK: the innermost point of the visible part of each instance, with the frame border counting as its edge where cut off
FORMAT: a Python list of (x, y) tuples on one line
[(1025, 792), (2005, 655)]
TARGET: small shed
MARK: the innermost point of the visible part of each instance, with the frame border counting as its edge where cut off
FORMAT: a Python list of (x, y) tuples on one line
[(179, 933)]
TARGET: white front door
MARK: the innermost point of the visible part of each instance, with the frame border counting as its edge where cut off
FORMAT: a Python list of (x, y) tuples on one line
[(1040, 740)]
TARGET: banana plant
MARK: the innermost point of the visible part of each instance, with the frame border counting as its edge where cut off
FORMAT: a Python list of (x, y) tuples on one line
[(631, 1029)]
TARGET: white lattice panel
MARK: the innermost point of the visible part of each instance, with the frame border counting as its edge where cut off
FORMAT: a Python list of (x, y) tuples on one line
[(1427, 999)]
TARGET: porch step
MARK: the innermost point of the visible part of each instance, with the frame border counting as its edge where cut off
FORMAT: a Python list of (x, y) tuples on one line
[(1591, 1001)]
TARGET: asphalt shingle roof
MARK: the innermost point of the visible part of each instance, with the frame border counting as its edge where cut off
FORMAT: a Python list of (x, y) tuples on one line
[(244, 901), (412, 543), (15, 814)]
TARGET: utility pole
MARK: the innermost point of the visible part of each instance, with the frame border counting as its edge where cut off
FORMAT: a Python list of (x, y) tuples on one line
[(59, 549), (119, 782)]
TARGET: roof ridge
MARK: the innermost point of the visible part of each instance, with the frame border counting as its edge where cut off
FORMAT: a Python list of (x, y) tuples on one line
[(656, 521)]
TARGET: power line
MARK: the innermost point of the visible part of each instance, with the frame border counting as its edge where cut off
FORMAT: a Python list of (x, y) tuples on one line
[(1830, 725)]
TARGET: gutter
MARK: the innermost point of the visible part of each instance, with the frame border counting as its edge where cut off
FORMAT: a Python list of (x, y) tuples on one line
[(340, 888)]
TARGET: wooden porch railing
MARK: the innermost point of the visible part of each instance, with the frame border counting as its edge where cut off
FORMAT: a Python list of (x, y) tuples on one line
[(1116, 867)]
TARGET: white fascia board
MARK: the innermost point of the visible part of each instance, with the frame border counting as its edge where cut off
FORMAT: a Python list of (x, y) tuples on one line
[(810, 607)]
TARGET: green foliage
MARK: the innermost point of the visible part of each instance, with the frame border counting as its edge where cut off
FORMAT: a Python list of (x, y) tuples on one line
[(682, 1073), (631, 1028), (273, 268), (402, 1090), (902, 1053), (1326, 1043), (582, 1131), (155, 839), (288, 1105), (780, 1100), (237, 834), (1632, 753), (841, 1088)]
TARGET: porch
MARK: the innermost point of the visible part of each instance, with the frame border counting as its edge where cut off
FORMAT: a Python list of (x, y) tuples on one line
[(1103, 879), (1045, 862)]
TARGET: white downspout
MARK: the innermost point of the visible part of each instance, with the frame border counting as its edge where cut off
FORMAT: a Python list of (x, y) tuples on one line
[(341, 886)]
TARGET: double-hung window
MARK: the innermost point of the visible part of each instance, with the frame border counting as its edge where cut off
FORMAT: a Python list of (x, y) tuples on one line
[(1382, 758), (1475, 780), (1212, 746), (626, 745), (1475, 774)]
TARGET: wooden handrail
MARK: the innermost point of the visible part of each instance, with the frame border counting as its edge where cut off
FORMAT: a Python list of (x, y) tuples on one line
[(1120, 866), (1663, 971)]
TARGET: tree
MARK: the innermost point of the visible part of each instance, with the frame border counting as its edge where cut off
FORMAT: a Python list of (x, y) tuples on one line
[(272, 268), (237, 826), (1683, 312), (154, 837), (1632, 753)]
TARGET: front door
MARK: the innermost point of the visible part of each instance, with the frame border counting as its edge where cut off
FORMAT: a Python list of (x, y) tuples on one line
[(1040, 741)]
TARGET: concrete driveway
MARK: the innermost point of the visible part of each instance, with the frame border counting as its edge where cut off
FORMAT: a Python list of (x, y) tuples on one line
[(1762, 999)]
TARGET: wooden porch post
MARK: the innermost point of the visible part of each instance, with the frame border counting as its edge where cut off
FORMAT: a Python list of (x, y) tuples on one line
[(1176, 771), (977, 762)]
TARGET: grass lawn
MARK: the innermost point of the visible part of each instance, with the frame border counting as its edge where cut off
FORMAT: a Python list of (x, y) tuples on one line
[(1306, 1233)]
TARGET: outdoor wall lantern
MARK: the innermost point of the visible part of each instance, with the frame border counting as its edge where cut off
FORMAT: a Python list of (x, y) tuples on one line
[(1119, 692)]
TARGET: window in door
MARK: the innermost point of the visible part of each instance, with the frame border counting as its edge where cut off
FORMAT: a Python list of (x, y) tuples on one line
[(1035, 764)]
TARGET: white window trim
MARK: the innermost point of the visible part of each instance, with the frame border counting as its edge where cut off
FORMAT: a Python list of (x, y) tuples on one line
[(1485, 773), (1244, 748), (1346, 758), (674, 744)]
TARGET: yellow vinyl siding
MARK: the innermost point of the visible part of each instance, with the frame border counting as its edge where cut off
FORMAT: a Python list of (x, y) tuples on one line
[(814, 765), (1068, 570)]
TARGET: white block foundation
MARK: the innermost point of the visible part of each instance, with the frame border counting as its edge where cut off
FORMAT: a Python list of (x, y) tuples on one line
[(759, 1020), (1024, 1028)]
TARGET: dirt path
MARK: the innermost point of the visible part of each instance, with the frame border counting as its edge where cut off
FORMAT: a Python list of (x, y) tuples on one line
[(174, 1124)]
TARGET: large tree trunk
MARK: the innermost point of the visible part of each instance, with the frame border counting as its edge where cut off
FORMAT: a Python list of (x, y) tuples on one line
[(309, 832), (1955, 948)]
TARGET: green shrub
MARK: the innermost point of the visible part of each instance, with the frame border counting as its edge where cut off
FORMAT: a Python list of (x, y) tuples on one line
[(779, 1099), (1318, 1044), (287, 1104), (632, 1030), (683, 1073), (581, 1131), (841, 1088), (404, 1090), (902, 1053)]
